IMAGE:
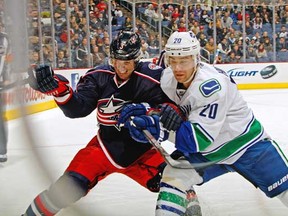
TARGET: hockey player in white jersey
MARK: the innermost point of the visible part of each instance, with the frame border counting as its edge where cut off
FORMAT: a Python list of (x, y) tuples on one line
[(217, 126)]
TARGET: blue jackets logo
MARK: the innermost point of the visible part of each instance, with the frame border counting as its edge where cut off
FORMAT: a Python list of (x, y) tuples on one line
[(209, 87)]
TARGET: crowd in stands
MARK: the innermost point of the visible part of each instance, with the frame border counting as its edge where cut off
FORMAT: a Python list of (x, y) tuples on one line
[(83, 49), (258, 37)]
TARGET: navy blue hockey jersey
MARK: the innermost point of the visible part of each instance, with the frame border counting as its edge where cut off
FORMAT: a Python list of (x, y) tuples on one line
[(98, 89)]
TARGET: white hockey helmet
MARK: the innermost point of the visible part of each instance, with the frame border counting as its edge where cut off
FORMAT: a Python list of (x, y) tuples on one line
[(183, 44)]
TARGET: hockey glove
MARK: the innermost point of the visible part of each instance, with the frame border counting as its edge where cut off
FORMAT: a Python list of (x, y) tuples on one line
[(171, 116), (43, 79), (132, 109), (150, 123)]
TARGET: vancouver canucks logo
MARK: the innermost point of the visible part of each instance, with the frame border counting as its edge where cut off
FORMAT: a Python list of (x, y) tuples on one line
[(108, 111), (210, 87)]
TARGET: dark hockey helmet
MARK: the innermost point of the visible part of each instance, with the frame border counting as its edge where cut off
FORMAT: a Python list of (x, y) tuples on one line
[(126, 46)]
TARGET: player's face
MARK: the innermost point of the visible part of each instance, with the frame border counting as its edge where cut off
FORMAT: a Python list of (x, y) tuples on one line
[(183, 67), (124, 68)]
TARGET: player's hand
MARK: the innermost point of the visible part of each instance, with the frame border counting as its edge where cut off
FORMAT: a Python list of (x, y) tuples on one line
[(150, 123), (43, 79), (171, 116), (132, 109)]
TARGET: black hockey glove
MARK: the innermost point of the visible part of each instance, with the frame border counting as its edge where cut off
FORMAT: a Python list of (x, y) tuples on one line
[(171, 116), (43, 79)]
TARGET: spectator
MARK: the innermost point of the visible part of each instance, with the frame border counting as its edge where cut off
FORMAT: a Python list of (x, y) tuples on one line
[(265, 35), (253, 42), (153, 44), (157, 16), (226, 20), (210, 46), (128, 23), (248, 28), (176, 14), (266, 15), (197, 12), (82, 54), (283, 32), (75, 41), (201, 31), (144, 53), (238, 53), (144, 43), (266, 19), (224, 47), (143, 31), (231, 38), (261, 53), (195, 28), (205, 18), (35, 58), (251, 55), (60, 11), (173, 26), (62, 61), (202, 39), (97, 57), (267, 45), (149, 13), (182, 27), (231, 58), (94, 24), (102, 20), (257, 22), (166, 15), (118, 12), (102, 6), (34, 43), (281, 45)]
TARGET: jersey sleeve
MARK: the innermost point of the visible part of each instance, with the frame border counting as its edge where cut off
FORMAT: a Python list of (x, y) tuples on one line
[(84, 99)]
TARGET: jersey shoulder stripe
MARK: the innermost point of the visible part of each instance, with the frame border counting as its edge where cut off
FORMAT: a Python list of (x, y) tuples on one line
[(147, 77)]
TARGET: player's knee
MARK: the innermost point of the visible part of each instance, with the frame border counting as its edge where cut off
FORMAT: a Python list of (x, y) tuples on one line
[(284, 197), (68, 189), (182, 179)]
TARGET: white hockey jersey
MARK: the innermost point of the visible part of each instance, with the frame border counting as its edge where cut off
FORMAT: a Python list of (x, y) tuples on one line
[(223, 126)]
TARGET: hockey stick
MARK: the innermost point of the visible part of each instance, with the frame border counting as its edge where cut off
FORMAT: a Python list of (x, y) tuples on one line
[(179, 164), (13, 84), (216, 57)]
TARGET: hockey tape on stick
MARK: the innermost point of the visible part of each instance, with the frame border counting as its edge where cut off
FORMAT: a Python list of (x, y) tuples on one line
[(216, 57), (179, 164)]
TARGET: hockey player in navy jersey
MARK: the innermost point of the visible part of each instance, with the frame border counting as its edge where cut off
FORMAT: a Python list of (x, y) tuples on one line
[(213, 125), (105, 88)]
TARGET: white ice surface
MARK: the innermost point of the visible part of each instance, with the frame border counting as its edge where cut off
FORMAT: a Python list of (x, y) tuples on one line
[(33, 164)]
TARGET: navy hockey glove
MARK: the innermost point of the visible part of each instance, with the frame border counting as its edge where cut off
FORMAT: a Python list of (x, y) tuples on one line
[(132, 109), (171, 116), (43, 79), (150, 123)]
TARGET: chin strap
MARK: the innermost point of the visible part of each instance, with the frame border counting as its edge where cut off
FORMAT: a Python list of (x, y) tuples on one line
[(192, 75)]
